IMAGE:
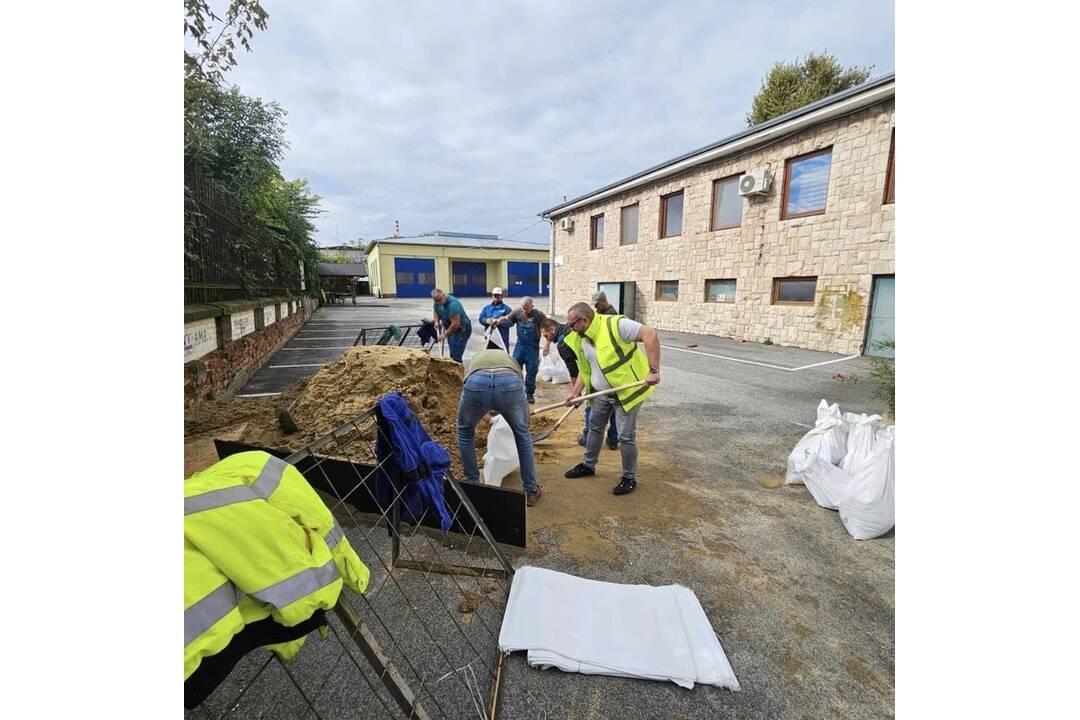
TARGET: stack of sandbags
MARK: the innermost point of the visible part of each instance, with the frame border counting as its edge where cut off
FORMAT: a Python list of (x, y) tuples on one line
[(846, 462)]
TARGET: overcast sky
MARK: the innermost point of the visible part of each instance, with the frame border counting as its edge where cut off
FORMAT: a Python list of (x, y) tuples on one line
[(474, 117)]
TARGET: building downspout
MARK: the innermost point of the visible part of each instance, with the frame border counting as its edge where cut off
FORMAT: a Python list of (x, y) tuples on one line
[(551, 269)]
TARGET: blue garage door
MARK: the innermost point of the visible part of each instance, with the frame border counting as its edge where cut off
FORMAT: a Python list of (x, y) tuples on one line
[(522, 278), (470, 279), (547, 279), (415, 277)]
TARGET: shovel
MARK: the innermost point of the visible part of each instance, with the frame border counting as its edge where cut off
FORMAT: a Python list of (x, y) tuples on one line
[(583, 398), (547, 433)]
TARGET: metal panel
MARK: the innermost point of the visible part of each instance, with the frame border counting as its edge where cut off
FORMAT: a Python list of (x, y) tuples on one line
[(522, 278), (882, 316), (415, 276), (469, 279)]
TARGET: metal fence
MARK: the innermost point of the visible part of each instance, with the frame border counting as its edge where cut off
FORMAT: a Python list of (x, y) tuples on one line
[(227, 256), (399, 335), (421, 641)]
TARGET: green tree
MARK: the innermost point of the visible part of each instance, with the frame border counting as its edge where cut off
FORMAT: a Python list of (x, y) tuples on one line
[(215, 38), (789, 86)]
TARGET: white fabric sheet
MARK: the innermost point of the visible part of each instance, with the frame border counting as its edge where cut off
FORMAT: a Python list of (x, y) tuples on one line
[(595, 627)]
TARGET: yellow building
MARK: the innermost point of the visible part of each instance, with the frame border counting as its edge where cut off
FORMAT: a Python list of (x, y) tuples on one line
[(465, 264)]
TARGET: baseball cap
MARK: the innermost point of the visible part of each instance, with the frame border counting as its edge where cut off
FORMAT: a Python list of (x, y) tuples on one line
[(598, 295), (496, 291)]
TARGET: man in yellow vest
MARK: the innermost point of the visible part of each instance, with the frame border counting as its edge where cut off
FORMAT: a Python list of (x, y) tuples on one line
[(608, 356)]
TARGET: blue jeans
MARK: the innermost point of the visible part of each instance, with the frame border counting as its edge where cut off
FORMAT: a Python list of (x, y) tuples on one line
[(457, 342), (502, 392), (612, 431), (528, 357)]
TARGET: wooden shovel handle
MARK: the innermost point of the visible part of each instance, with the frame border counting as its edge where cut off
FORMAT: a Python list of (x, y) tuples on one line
[(590, 396)]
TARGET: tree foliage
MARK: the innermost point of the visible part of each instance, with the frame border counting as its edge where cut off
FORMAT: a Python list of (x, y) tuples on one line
[(237, 141), (790, 86), (215, 38)]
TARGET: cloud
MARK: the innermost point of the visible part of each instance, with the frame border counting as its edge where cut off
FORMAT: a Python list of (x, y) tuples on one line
[(477, 118)]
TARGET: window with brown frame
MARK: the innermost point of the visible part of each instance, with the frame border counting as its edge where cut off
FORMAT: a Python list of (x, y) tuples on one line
[(628, 225), (720, 291), (596, 232), (726, 204), (890, 174), (806, 184), (794, 290), (671, 207), (667, 290)]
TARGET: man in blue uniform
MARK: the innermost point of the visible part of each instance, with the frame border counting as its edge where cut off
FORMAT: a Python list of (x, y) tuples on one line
[(527, 350), (492, 312), (456, 325)]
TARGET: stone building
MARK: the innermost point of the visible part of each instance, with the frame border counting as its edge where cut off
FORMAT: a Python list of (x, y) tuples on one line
[(808, 263)]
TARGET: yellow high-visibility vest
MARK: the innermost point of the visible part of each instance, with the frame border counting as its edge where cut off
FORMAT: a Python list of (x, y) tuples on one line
[(258, 542), (621, 362)]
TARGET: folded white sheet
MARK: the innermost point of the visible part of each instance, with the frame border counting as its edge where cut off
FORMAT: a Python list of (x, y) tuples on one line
[(602, 628)]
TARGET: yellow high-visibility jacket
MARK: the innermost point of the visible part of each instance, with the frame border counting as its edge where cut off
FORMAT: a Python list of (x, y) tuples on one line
[(258, 542), (621, 361)]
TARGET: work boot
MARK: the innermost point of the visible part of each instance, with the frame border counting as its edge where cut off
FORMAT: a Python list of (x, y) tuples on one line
[(532, 400), (580, 470), (582, 438), (613, 445), (531, 498), (626, 485)]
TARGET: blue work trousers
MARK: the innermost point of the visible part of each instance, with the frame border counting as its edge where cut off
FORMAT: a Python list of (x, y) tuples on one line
[(457, 342), (502, 392), (528, 357)]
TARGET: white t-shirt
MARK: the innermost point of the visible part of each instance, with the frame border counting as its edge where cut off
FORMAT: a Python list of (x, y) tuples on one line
[(628, 331)]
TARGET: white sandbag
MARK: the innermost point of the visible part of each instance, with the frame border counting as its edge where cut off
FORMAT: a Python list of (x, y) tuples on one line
[(868, 510), (547, 368), (826, 482), (553, 369), (501, 457), (860, 439), (828, 440)]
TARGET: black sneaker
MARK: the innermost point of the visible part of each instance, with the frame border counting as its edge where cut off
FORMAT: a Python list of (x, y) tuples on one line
[(532, 400), (579, 470), (613, 446), (626, 485), (581, 438)]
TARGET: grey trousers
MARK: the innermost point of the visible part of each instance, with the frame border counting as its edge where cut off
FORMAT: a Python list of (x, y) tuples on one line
[(602, 408)]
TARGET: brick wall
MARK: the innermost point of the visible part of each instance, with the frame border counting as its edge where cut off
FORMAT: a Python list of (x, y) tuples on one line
[(845, 247)]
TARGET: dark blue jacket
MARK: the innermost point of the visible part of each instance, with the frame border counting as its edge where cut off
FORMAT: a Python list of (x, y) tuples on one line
[(409, 457)]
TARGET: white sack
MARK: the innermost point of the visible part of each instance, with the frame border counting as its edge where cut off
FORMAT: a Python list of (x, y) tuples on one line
[(501, 457), (860, 439), (869, 509), (553, 369), (828, 440), (826, 482), (594, 627)]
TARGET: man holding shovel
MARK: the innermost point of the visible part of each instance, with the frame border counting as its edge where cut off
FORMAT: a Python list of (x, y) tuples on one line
[(605, 347)]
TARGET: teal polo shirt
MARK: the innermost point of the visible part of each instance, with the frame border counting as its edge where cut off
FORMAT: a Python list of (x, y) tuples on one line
[(452, 307)]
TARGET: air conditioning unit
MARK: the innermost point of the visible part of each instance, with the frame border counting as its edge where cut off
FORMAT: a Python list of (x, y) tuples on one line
[(567, 224), (755, 183)]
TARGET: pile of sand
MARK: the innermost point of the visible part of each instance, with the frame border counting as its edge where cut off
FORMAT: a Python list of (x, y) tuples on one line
[(354, 382)]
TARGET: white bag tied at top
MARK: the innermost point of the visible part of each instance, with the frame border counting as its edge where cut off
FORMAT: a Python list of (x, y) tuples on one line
[(553, 369), (827, 483), (501, 457), (860, 440), (868, 510), (827, 440)]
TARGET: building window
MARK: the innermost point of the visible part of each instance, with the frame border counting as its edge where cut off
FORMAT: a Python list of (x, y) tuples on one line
[(671, 214), (596, 232), (461, 279), (890, 174), (667, 290), (720, 291), (628, 225), (726, 203), (794, 290), (425, 278), (806, 184), (403, 278)]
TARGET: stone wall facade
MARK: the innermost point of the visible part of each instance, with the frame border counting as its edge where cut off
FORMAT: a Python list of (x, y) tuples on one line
[(845, 247)]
